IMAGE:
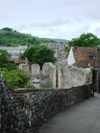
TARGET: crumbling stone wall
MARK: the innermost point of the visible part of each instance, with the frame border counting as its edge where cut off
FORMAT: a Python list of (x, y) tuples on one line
[(73, 76), (24, 111), (69, 76), (48, 75)]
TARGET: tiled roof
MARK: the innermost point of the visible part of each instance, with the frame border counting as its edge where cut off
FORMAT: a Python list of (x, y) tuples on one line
[(16, 61), (85, 56)]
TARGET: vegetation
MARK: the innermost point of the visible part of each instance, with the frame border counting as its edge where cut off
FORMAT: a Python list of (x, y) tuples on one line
[(4, 61), (39, 54), (16, 79), (85, 40), (10, 37), (94, 70)]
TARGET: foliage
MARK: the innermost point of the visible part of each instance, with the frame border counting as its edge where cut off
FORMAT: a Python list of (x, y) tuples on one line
[(39, 54), (10, 37), (16, 79), (67, 49), (4, 52), (8, 66), (4, 61), (85, 40), (93, 69)]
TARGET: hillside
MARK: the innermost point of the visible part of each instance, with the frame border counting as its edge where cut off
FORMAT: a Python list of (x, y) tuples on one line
[(61, 40), (10, 37)]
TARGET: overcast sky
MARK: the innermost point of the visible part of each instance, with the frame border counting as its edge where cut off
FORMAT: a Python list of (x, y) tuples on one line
[(65, 19)]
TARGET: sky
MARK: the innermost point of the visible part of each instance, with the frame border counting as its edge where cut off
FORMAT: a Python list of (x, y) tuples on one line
[(62, 19)]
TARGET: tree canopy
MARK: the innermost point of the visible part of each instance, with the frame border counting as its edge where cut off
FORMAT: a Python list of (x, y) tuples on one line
[(85, 40), (39, 54), (4, 61), (16, 79)]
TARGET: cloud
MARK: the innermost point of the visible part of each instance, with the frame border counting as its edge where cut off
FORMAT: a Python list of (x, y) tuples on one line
[(53, 18), (48, 24), (44, 24)]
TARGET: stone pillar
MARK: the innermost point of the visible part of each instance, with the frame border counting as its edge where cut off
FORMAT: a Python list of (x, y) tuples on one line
[(24, 67), (35, 68), (48, 78)]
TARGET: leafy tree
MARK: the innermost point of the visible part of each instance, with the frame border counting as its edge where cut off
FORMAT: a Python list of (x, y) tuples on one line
[(4, 56), (7, 29), (39, 54), (16, 79), (85, 40), (4, 52), (4, 61)]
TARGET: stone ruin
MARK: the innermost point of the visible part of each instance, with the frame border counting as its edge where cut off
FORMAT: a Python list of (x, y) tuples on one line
[(35, 68), (24, 66), (48, 76), (60, 75), (69, 76)]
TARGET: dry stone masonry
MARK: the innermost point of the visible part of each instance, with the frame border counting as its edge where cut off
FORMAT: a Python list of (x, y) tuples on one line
[(25, 111)]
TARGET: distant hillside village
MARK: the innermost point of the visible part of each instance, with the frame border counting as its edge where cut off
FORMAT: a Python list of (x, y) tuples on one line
[(16, 51)]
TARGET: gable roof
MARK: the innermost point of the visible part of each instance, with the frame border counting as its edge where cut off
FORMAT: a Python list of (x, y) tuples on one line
[(85, 56)]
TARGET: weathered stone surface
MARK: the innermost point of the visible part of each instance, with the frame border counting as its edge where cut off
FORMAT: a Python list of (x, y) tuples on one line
[(25, 112), (69, 76), (48, 75), (35, 68), (73, 76), (24, 67)]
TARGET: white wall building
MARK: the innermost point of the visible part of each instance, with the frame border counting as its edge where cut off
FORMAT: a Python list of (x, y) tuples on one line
[(14, 51)]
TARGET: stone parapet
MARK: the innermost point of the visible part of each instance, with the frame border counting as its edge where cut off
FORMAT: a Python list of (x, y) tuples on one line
[(26, 110)]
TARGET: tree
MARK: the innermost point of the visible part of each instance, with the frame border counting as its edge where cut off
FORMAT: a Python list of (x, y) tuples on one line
[(39, 54), (85, 40), (4, 56), (7, 29), (4, 60), (16, 79)]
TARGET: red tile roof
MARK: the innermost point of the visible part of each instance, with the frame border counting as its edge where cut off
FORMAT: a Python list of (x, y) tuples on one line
[(84, 56)]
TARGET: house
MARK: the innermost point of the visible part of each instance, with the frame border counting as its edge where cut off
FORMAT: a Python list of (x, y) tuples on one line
[(84, 57), (16, 61), (14, 51), (54, 46)]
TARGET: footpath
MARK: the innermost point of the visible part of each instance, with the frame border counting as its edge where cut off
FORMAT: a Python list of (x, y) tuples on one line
[(81, 118)]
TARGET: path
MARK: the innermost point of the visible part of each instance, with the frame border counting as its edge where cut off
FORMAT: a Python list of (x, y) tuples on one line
[(82, 118)]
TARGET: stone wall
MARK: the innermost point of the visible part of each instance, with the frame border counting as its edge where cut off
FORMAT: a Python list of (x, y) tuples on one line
[(25, 111), (74, 76), (35, 68), (48, 75), (24, 67), (69, 76)]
